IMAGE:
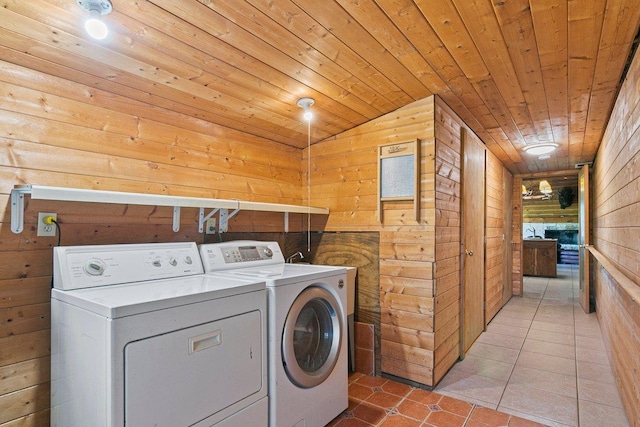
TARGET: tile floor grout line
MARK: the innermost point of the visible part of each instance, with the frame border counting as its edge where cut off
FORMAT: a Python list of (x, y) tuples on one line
[(521, 346)]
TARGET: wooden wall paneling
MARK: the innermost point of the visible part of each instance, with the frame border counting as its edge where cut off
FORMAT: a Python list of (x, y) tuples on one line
[(344, 178), (25, 374), (494, 227), (344, 168), (58, 132), (615, 225), (24, 402), (498, 237), (507, 247), (262, 222), (34, 419), (516, 236), (618, 319), (447, 277)]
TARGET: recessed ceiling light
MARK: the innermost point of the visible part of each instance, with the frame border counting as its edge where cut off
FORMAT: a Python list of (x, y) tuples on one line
[(538, 149)]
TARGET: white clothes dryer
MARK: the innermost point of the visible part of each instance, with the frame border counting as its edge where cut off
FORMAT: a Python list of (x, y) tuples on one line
[(307, 330), (141, 337)]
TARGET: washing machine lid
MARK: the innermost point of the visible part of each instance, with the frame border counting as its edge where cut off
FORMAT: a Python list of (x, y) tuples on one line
[(118, 301), (285, 274)]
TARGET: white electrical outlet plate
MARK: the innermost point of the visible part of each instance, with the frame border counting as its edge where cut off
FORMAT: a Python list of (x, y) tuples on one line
[(46, 230), (211, 226)]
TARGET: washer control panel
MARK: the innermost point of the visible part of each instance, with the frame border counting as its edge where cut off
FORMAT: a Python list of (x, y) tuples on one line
[(77, 267), (240, 254)]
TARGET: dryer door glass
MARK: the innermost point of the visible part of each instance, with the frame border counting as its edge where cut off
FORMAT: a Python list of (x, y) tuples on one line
[(311, 337)]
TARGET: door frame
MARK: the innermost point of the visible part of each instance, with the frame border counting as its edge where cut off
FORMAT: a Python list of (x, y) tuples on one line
[(583, 239)]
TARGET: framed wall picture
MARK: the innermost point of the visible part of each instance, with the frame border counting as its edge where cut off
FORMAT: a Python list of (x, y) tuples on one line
[(399, 175)]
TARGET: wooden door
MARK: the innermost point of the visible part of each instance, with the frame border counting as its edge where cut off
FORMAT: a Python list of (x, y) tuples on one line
[(583, 237), (473, 227)]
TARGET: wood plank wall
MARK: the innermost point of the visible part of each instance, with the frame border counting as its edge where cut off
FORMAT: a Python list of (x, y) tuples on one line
[(61, 133), (498, 236), (541, 211), (616, 234), (448, 219), (516, 236), (344, 178), (419, 261)]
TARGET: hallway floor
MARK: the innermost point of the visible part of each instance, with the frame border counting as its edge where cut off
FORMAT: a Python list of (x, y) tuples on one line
[(541, 359)]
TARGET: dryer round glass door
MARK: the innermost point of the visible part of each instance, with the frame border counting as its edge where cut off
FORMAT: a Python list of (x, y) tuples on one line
[(312, 336)]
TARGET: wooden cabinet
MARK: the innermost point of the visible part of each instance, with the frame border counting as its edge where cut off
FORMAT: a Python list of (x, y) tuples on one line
[(539, 257)]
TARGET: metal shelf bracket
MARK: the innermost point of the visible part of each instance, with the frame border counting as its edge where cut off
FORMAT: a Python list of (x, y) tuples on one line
[(224, 218), (17, 208), (176, 218)]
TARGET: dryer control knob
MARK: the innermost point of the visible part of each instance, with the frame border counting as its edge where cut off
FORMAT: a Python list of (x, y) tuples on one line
[(94, 267), (341, 283)]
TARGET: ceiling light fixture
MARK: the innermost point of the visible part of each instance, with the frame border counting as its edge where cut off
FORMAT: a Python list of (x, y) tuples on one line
[(538, 149), (305, 104), (94, 25)]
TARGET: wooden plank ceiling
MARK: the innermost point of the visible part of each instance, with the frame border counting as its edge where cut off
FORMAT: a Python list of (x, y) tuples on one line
[(519, 72)]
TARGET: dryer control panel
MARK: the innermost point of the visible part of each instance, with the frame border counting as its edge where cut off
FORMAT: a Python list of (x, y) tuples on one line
[(77, 267), (240, 254)]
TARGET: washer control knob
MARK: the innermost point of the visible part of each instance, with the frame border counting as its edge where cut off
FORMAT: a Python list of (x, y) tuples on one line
[(173, 261), (156, 263), (268, 252), (188, 260), (94, 267), (341, 283)]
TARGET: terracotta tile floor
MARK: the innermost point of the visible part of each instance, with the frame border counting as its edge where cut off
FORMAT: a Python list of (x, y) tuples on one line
[(375, 401)]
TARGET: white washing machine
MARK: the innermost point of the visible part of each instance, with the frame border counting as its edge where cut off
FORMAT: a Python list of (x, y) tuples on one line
[(141, 337), (306, 305)]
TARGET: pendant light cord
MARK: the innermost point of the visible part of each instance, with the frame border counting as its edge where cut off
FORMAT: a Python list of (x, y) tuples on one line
[(308, 185)]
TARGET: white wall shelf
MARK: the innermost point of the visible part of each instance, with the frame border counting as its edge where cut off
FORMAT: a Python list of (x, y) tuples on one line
[(41, 192)]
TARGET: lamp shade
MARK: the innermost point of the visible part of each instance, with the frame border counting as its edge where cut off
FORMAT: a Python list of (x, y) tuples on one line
[(545, 187)]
